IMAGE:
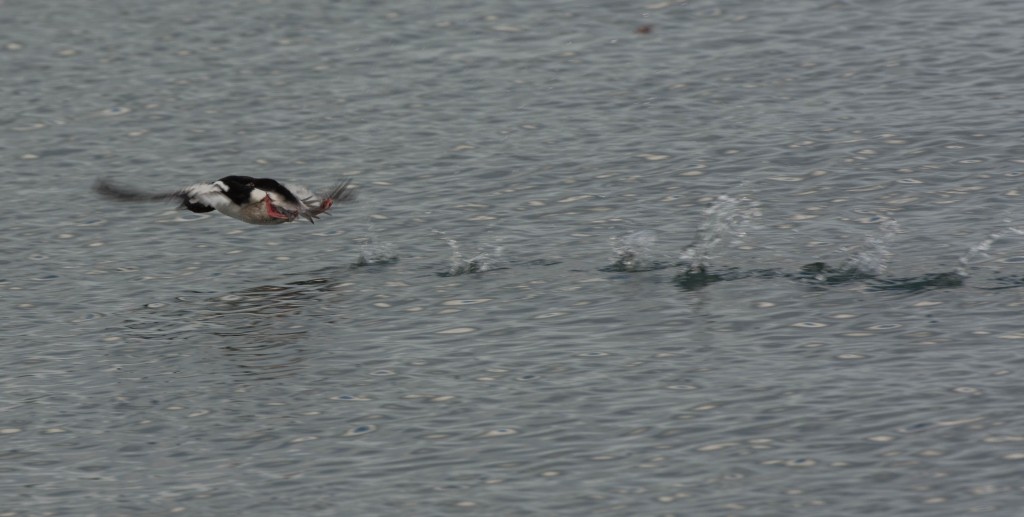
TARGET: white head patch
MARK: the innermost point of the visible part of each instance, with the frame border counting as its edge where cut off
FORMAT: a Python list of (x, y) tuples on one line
[(257, 195)]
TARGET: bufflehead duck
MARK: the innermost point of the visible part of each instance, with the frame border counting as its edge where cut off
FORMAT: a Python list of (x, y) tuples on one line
[(253, 200)]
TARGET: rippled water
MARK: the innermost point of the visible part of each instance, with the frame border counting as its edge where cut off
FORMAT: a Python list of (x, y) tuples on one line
[(686, 257)]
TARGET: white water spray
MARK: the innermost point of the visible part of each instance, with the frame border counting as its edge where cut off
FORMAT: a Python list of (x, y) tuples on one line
[(633, 252), (726, 222), (978, 253), (375, 252), (479, 263), (873, 256)]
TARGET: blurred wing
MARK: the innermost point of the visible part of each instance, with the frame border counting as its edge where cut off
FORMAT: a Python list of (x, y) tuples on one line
[(116, 192), (315, 204), (342, 193), (201, 197)]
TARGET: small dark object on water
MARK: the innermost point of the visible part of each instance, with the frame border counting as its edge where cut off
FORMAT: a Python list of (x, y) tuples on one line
[(644, 29)]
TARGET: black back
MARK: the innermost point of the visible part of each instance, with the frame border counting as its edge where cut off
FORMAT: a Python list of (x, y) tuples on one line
[(240, 187), (269, 185)]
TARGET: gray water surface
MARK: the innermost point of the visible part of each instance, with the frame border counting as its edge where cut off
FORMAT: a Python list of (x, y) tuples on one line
[(765, 258)]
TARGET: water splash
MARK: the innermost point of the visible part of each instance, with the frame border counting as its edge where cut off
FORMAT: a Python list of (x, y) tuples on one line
[(864, 261), (481, 262), (375, 252), (634, 252), (873, 256), (726, 222), (979, 252)]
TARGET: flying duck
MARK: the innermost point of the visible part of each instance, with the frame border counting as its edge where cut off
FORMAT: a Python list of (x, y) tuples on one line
[(253, 200)]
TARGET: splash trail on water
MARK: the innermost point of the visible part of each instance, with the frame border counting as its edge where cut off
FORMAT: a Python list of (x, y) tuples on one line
[(873, 256), (375, 252), (978, 253), (634, 252), (726, 222), (481, 262)]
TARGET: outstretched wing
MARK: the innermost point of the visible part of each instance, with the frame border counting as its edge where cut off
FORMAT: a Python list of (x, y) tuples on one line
[(313, 205), (117, 192), (201, 197), (340, 194)]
